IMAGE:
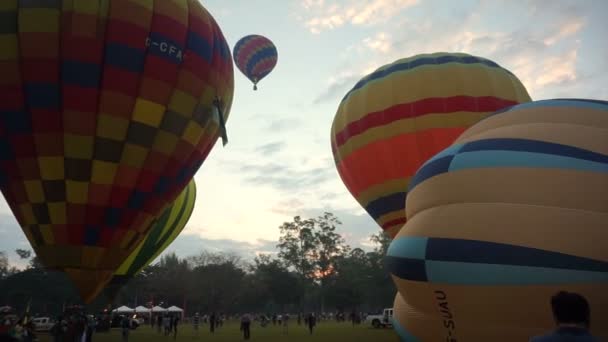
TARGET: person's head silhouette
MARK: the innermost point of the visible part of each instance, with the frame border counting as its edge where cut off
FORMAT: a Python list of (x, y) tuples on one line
[(570, 309)]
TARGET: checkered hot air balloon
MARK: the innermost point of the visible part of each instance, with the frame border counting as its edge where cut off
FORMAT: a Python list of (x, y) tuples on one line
[(107, 109), (400, 115), (165, 229), (255, 56)]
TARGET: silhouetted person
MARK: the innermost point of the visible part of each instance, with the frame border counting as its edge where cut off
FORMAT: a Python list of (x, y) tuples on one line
[(159, 323), (312, 321), (212, 322), (246, 326), (174, 322), (572, 317), (126, 326)]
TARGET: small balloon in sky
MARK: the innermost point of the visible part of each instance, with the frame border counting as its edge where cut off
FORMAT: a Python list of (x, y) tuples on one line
[(255, 56)]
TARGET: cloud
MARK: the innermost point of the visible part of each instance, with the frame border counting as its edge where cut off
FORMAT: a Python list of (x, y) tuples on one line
[(543, 52), (381, 42), (270, 148), (286, 178), (189, 244), (326, 16), (338, 86)]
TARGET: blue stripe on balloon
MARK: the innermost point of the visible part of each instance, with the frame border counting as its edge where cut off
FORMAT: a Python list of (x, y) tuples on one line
[(423, 61), (386, 204), (573, 103), (413, 247), (82, 74), (257, 57), (199, 45), (404, 335), (42, 95), (484, 252), (482, 159), (460, 273), (431, 169), (405, 268), (537, 146), (125, 57)]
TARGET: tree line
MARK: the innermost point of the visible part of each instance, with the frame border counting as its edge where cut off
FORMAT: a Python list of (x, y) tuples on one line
[(314, 269)]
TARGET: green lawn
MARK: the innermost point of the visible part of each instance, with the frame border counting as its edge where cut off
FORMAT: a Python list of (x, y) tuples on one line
[(325, 331)]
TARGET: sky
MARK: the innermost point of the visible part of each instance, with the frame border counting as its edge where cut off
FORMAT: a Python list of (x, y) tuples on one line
[(278, 161)]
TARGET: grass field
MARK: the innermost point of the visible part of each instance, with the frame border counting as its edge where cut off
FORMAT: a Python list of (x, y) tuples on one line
[(324, 332)]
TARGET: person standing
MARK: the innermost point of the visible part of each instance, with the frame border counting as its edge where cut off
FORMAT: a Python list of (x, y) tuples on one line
[(572, 317), (174, 323), (159, 323), (285, 323), (196, 321), (126, 326), (312, 321), (212, 322), (246, 326)]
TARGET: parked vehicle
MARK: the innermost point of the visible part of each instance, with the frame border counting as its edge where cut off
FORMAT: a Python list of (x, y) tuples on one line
[(384, 320), (43, 323)]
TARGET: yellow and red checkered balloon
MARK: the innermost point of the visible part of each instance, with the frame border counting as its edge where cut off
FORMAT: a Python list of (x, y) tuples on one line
[(106, 112)]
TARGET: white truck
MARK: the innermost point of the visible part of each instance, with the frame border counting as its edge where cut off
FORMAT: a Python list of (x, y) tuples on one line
[(43, 323), (385, 320)]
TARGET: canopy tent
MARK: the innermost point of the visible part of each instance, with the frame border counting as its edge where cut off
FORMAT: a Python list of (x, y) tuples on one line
[(142, 309), (175, 309), (158, 309), (123, 309)]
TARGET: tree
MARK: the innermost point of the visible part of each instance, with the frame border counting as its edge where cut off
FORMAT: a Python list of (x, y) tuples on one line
[(23, 253), (297, 245), (3, 265)]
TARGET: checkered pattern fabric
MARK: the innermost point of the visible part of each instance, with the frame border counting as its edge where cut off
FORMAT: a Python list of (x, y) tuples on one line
[(106, 113)]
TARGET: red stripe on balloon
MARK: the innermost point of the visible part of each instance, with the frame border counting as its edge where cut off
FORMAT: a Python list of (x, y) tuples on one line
[(420, 108), (394, 222)]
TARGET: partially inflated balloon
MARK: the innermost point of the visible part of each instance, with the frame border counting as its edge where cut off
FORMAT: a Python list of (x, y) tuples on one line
[(164, 230), (513, 212), (107, 109), (255, 56), (402, 114), (414, 326)]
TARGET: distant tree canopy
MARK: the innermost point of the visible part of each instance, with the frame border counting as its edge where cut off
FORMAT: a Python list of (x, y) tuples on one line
[(314, 269)]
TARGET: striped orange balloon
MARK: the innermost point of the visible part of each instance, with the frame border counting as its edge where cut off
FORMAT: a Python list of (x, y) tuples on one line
[(400, 115)]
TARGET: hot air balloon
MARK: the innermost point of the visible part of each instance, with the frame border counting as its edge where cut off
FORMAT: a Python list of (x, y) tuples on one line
[(164, 230), (513, 212), (400, 115), (255, 56), (414, 326), (107, 109)]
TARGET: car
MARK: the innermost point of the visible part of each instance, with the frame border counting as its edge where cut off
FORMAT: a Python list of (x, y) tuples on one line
[(384, 320), (43, 323)]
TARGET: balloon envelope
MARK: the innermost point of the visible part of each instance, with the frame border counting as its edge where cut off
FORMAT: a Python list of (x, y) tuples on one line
[(164, 230), (255, 56), (402, 114), (106, 113), (513, 212)]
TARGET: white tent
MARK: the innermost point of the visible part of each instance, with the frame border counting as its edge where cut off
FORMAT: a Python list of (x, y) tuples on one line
[(174, 309), (142, 309), (123, 309), (158, 309)]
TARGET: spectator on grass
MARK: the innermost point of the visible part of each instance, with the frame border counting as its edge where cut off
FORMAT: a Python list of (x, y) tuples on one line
[(285, 318), (246, 326), (196, 322), (212, 323), (312, 321)]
